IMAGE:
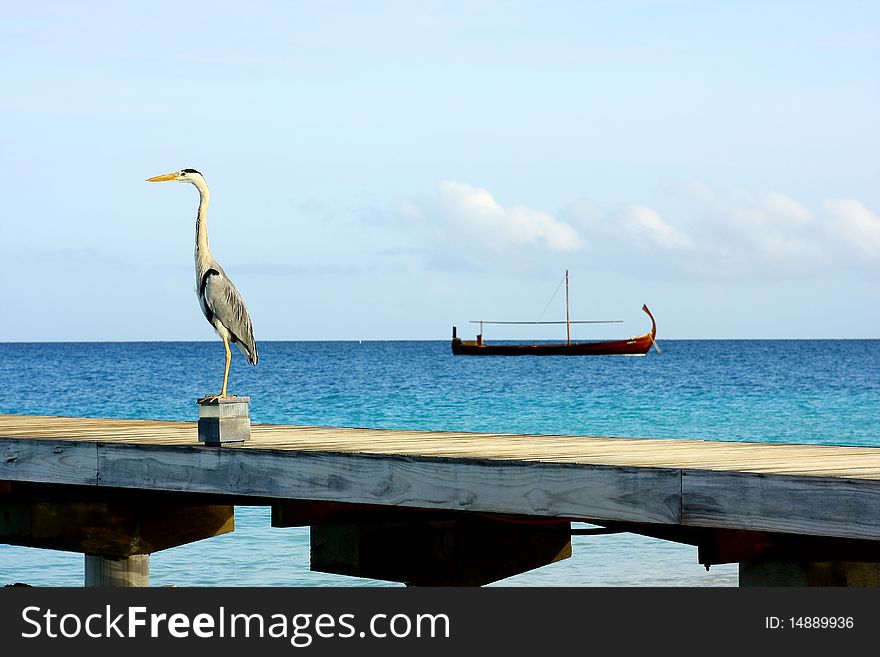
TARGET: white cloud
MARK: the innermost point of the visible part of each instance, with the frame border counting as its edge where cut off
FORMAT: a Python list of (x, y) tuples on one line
[(859, 226), (772, 226), (644, 223), (780, 205), (461, 212), (742, 232), (705, 233), (698, 232), (614, 231)]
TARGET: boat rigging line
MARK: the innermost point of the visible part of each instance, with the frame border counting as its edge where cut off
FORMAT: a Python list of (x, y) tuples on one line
[(568, 322), (561, 281)]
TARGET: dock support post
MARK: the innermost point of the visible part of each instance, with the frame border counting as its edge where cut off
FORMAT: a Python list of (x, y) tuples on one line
[(117, 571)]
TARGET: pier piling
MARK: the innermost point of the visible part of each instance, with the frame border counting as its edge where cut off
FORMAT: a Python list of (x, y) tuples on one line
[(117, 571)]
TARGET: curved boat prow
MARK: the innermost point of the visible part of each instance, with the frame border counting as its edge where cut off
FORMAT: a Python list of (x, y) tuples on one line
[(653, 321), (653, 333)]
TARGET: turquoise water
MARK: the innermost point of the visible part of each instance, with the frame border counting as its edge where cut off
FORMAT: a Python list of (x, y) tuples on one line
[(822, 391)]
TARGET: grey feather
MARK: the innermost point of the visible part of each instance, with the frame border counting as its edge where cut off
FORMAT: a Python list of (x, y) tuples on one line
[(227, 306)]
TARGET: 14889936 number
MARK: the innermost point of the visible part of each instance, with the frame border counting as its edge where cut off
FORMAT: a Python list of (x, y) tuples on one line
[(822, 622)]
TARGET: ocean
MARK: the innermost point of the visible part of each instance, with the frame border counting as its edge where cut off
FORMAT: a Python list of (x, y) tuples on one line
[(780, 391)]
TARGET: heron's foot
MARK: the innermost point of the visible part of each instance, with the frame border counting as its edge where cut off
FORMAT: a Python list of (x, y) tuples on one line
[(210, 398)]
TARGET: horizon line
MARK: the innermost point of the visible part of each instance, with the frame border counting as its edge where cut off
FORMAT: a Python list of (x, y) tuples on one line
[(443, 340)]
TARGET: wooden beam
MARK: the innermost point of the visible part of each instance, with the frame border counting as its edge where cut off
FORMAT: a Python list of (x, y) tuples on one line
[(57, 462), (718, 546), (122, 527), (819, 506), (467, 551), (801, 573), (303, 513), (530, 488)]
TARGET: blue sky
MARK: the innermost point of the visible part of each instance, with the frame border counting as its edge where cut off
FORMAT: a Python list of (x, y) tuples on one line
[(384, 170)]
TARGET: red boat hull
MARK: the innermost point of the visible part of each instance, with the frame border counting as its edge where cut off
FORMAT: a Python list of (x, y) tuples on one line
[(636, 346)]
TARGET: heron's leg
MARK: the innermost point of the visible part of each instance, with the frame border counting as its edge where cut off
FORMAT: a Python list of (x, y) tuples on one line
[(226, 370)]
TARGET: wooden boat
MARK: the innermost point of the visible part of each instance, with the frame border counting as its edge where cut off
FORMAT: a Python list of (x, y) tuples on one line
[(636, 346)]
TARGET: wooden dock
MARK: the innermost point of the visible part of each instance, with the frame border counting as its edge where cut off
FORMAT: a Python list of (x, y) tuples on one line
[(817, 507)]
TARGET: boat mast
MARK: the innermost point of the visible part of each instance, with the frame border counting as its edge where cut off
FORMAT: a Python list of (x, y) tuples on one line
[(567, 313)]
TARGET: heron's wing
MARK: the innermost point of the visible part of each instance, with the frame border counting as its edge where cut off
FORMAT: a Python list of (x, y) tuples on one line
[(224, 300)]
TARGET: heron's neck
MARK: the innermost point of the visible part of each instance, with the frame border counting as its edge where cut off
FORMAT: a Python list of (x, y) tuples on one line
[(202, 249)]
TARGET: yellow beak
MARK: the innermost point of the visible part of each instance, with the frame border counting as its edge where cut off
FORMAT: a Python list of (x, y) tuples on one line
[(162, 178)]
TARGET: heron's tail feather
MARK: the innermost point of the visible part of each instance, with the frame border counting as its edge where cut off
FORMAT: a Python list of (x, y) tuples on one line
[(249, 351)]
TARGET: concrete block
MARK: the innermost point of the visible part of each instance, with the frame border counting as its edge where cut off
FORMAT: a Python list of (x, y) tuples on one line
[(224, 420)]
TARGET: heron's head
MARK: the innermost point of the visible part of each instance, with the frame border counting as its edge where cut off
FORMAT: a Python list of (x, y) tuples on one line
[(184, 176)]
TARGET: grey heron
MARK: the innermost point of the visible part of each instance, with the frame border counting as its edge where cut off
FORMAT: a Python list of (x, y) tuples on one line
[(220, 300)]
